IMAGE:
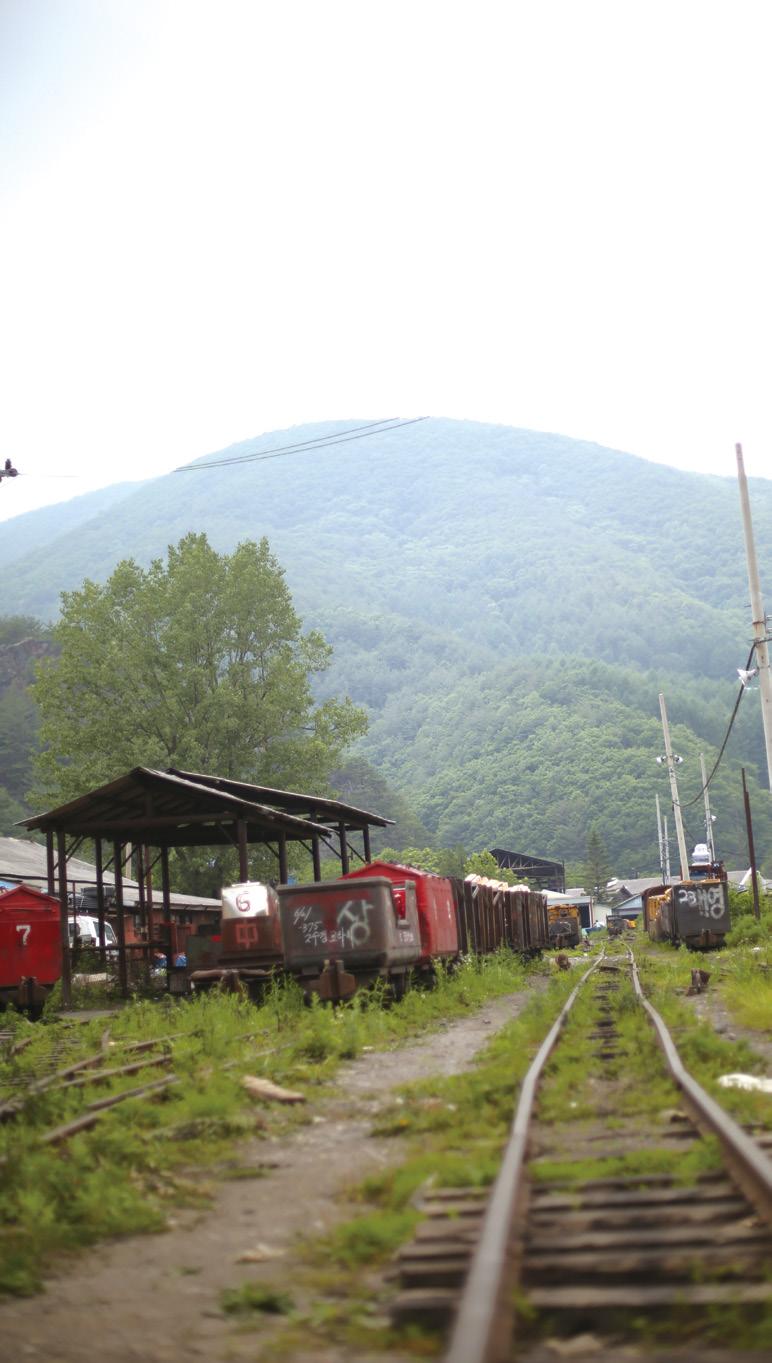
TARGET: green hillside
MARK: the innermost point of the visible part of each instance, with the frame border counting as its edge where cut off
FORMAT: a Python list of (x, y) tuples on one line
[(454, 567), (530, 756)]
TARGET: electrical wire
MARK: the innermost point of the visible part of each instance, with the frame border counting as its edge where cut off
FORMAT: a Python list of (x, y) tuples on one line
[(321, 442), (701, 792)]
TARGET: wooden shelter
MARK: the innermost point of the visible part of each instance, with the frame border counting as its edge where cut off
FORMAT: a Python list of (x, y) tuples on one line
[(155, 811)]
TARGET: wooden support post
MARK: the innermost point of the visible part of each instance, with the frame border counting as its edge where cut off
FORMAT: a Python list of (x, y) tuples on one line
[(123, 974), (316, 857), (343, 848), (142, 905), (366, 840), (100, 889), (241, 833), (149, 898), (167, 913), (283, 867), (50, 864), (64, 919)]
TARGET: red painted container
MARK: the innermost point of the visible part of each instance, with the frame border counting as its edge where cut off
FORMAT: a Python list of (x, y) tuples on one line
[(434, 900), (250, 926), (30, 941)]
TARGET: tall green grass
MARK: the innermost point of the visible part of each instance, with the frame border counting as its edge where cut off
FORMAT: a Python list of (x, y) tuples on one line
[(127, 1173)]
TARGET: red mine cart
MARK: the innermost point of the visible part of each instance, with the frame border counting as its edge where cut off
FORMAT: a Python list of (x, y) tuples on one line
[(436, 906), (30, 946)]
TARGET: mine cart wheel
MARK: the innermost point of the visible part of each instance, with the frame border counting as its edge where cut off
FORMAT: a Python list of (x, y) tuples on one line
[(398, 986)]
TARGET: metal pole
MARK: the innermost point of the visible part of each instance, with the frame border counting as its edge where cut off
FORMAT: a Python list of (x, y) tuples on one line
[(674, 791), (708, 818), (757, 610), (751, 852)]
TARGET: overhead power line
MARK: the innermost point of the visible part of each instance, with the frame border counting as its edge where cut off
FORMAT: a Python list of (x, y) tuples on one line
[(702, 789), (319, 443)]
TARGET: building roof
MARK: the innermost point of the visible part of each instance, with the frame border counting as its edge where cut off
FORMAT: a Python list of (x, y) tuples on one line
[(25, 861), (163, 808), (550, 874), (315, 807), (570, 897), (618, 890)]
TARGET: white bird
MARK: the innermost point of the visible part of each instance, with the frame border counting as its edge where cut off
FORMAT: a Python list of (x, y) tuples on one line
[(744, 676)]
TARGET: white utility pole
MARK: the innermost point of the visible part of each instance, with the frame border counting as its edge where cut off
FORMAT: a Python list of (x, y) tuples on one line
[(708, 816), (674, 791), (757, 610), (667, 850), (660, 841)]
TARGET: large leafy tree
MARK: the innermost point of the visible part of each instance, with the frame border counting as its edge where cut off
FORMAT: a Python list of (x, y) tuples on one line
[(198, 661)]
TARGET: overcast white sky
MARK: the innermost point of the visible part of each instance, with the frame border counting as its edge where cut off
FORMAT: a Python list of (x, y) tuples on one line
[(219, 218)]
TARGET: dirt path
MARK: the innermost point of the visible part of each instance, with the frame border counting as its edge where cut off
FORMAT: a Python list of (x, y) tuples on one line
[(156, 1297)]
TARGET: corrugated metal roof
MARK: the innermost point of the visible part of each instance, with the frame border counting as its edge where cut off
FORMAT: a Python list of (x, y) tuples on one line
[(26, 860)]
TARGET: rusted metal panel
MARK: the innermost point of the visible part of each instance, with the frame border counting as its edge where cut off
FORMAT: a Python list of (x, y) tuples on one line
[(701, 907), (434, 899), (364, 922)]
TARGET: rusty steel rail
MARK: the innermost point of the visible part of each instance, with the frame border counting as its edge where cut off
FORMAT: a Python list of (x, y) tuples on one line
[(750, 1167), (483, 1326), (482, 1329)]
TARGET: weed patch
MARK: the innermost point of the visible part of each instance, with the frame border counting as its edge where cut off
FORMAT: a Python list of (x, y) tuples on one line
[(255, 1297), (133, 1168)]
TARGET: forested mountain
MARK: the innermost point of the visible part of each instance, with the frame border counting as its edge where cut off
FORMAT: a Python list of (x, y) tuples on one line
[(22, 641), (462, 573)]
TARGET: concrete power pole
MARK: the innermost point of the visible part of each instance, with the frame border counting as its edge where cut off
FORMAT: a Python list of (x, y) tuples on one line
[(661, 841), (674, 791), (757, 610), (708, 815)]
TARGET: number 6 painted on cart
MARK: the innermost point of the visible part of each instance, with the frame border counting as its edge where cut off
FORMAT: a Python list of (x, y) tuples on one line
[(26, 928)]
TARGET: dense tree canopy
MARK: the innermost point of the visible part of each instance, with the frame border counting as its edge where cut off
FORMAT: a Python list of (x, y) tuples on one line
[(198, 661), (22, 641)]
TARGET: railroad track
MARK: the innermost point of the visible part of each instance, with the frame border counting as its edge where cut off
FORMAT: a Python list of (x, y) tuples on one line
[(590, 1226)]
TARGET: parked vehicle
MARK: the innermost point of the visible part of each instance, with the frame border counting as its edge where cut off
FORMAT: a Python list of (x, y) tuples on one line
[(84, 932)]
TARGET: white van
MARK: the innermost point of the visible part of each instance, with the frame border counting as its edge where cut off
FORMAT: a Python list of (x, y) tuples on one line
[(87, 929)]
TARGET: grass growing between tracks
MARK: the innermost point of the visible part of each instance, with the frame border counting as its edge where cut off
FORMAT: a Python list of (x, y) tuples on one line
[(583, 1094), (149, 1156), (452, 1130), (630, 1098)]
